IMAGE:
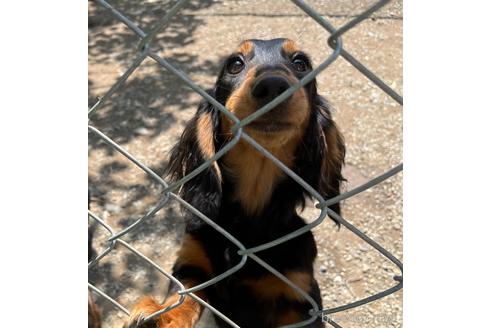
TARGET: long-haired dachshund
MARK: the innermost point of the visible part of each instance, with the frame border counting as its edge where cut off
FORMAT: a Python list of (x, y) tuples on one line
[(249, 196)]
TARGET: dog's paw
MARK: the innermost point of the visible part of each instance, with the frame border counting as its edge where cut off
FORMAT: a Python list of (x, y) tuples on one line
[(142, 310), (175, 318), (136, 321)]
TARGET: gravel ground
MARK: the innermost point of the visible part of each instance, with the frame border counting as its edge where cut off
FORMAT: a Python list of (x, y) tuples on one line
[(148, 114)]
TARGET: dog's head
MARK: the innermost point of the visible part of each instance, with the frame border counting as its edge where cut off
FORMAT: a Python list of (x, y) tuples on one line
[(255, 74), (300, 127)]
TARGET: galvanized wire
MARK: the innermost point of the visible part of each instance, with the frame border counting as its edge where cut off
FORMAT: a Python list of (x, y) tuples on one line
[(144, 51)]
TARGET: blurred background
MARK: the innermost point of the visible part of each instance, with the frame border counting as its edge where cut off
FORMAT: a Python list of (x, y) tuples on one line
[(147, 115)]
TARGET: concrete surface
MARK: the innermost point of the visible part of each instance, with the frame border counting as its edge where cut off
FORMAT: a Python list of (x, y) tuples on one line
[(148, 114)]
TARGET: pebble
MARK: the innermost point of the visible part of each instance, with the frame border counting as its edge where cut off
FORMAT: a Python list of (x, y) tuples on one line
[(112, 207), (143, 131), (354, 279)]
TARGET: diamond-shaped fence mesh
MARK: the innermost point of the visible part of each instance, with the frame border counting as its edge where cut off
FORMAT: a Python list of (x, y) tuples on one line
[(169, 191)]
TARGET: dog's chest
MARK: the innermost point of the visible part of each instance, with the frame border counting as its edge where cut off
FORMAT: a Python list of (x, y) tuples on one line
[(254, 177)]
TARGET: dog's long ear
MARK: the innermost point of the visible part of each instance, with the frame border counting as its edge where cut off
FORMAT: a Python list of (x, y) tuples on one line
[(197, 144), (332, 153)]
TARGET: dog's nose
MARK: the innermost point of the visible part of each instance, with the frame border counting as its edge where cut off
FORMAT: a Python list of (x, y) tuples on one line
[(269, 87)]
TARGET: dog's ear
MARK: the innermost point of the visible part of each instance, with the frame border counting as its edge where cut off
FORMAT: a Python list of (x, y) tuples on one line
[(197, 144), (332, 150)]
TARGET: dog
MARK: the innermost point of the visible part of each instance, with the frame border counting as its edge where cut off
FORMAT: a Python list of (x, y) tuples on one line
[(249, 196)]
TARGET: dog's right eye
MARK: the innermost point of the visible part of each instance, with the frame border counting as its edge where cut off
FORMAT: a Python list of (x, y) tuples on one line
[(235, 65)]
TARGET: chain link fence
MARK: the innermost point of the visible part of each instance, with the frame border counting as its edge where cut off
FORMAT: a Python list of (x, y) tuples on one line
[(169, 190)]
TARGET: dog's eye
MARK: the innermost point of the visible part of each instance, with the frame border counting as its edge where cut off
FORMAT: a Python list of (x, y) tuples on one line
[(299, 64), (235, 65)]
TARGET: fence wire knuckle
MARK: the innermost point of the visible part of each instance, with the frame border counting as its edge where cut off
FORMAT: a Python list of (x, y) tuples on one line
[(334, 41)]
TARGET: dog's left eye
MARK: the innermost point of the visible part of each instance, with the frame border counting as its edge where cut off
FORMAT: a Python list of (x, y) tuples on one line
[(235, 65), (300, 64)]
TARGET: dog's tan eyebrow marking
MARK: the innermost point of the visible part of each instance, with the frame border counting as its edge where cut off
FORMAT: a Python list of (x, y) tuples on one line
[(245, 48), (290, 47)]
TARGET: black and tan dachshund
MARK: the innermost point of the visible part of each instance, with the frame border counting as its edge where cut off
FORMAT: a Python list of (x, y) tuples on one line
[(249, 196)]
